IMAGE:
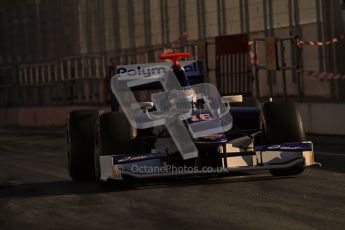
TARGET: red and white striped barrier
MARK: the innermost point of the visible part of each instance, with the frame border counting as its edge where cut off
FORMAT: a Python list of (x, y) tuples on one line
[(317, 43), (322, 75), (317, 74), (253, 59)]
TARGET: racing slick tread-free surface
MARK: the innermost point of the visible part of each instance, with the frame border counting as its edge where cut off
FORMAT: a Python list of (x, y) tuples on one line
[(282, 124), (80, 134), (116, 133)]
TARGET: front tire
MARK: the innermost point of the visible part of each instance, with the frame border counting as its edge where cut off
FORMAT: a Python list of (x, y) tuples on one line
[(282, 124), (292, 171), (114, 135)]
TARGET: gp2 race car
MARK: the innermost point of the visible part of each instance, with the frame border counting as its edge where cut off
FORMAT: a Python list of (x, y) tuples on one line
[(109, 146)]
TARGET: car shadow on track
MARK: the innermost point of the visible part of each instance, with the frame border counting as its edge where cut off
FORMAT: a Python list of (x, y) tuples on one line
[(67, 187)]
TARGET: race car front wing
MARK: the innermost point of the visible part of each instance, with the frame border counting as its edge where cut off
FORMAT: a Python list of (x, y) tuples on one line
[(153, 165)]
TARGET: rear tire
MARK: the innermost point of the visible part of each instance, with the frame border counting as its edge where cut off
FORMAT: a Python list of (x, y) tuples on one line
[(80, 137), (115, 133), (282, 123)]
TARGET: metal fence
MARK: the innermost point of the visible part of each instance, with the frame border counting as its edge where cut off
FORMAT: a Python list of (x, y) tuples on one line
[(74, 80), (84, 80), (80, 80)]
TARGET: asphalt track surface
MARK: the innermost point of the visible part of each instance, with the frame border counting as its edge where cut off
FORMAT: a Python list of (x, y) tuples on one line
[(36, 193)]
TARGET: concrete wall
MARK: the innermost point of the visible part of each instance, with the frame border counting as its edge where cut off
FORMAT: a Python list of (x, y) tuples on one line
[(46, 29), (323, 118), (49, 29), (282, 19), (38, 116), (38, 31), (317, 118), (192, 19)]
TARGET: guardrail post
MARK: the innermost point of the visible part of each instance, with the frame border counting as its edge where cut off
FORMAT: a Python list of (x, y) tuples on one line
[(82, 66), (69, 72), (89, 74), (298, 67), (256, 70), (36, 73), (103, 67), (97, 66), (282, 55), (62, 73), (76, 68)]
